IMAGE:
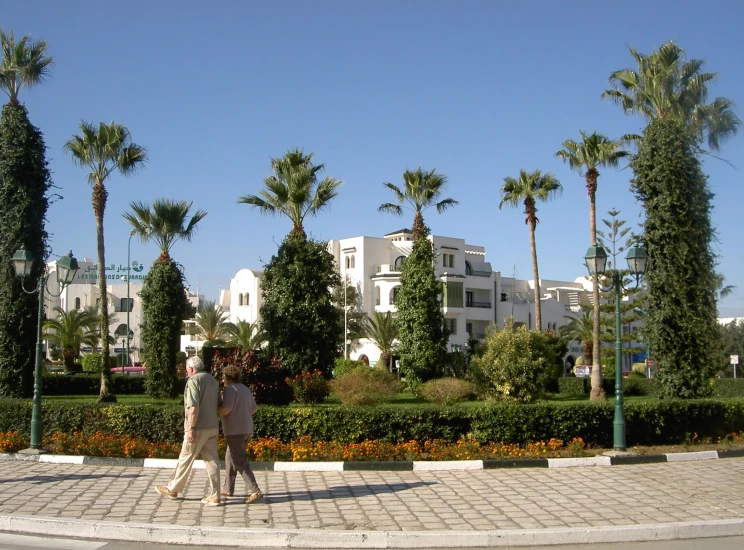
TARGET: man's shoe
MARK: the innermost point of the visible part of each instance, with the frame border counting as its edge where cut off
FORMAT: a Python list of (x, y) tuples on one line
[(210, 501), (253, 497), (163, 490)]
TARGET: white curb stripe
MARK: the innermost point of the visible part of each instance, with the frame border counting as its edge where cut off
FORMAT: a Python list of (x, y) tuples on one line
[(422, 466), (61, 459), (684, 457), (574, 462), (308, 466)]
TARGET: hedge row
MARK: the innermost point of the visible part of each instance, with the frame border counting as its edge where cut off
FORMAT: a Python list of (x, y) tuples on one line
[(90, 384), (648, 423), (722, 387)]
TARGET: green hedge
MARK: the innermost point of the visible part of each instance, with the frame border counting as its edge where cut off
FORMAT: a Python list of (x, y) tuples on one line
[(90, 384), (648, 422), (722, 387)]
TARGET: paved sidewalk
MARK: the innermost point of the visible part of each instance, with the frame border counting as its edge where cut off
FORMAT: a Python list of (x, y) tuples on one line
[(384, 509)]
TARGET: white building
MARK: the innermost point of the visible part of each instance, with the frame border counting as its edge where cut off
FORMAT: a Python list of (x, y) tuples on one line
[(475, 297), (84, 292)]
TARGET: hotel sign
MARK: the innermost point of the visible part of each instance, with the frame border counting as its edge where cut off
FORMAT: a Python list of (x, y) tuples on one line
[(88, 273)]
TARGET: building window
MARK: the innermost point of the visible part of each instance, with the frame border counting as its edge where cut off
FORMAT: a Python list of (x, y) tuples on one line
[(377, 295), (399, 262), (347, 262), (504, 296), (240, 299), (124, 302), (77, 303), (394, 295), (450, 326), (452, 294), (469, 299), (353, 263), (468, 268), (469, 329), (247, 299), (448, 260)]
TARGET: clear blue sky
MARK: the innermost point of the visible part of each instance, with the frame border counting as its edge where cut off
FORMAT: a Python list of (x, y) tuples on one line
[(476, 90)]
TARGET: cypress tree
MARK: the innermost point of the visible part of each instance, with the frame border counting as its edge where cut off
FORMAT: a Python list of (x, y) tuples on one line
[(24, 183), (298, 315), (420, 321), (681, 319)]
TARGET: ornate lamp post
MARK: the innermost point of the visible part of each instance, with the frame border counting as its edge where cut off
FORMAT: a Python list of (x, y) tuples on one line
[(129, 308), (67, 266), (596, 262)]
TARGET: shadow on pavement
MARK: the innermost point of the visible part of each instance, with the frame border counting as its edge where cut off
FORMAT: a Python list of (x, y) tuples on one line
[(343, 491), (62, 477)]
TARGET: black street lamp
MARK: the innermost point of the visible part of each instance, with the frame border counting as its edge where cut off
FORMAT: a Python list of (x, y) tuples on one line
[(596, 263), (67, 266)]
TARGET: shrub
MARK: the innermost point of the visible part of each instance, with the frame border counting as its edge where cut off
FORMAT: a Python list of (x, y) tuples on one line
[(447, 391), (636, 374), (92, 362), (309, 387), (728, 387), (264, 374), (571, 386), (365, 386), (518, 364), (90, 384), (342, 366)]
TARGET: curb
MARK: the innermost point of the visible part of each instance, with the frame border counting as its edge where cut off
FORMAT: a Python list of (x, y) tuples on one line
[(416, 465), (308, 538)]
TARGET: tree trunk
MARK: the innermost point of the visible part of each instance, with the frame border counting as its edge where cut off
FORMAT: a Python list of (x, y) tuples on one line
[(418, 229), (68, 356), (535, 277), (99, 206), (597, 392)]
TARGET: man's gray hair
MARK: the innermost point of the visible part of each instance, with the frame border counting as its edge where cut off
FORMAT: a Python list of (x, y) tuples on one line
[(195, 363)]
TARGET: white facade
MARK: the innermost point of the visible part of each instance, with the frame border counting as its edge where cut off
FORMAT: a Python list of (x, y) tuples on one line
[(84, 292)]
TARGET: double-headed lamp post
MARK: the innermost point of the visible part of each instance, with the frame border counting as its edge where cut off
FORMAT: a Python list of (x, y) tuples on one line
[(67, 266), (128, 275), (596, 263)]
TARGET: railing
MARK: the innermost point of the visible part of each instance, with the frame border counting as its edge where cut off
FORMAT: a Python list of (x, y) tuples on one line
[(484, 305), (392, 301), (474, 273), (388, 268)]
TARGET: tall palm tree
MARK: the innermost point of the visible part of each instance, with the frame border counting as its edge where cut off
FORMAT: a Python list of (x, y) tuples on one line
[(382, 331), (69, 330), (244, 335), (165, 223), (586, 156), (294, 190), (581, 329), (211, 322), (24, 63), (421, 191), (529, 188), (667, 85), (106, 149)]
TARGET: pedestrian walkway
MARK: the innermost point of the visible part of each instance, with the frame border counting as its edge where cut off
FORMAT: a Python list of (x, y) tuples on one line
[(383, 509)]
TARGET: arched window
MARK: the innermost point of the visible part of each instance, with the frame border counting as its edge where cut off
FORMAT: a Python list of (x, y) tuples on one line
[(399, 262), (394, 295), (468, 268), (240, 299), (377, 295), (247, 300), (352, 262), (77, 302), (347, 262)]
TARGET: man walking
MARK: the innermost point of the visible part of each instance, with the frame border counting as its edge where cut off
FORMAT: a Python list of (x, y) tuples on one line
[(201, 426)]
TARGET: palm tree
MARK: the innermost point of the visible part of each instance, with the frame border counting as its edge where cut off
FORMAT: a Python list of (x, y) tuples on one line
[(104, 150), (211, 322), (421, 191), (581, 329), (528, 189), (24, 63), (165, 223), (69, 330), (244, 335), (382, 331), (667, 85), (586, 156), (294, 189)]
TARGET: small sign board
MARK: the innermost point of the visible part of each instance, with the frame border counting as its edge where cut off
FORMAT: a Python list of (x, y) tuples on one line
[(581, 370), (734, 359)]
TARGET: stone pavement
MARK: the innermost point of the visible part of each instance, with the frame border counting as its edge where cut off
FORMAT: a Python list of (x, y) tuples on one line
[(383, 509)]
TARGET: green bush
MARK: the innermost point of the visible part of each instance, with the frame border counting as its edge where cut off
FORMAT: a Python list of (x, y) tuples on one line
[(648, 422), (571, 386), (309, 388), (447, 391), (365, 386), (728, 387), (90, 384), (518, 364), (92, 362), (342, 366)]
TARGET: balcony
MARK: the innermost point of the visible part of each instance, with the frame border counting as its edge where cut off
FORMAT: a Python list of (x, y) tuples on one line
[(474, 273), (482, 305), (388, 269)]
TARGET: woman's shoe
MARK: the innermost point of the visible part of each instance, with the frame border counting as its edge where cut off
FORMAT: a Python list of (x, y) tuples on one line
[(225, 493), (253, 497)]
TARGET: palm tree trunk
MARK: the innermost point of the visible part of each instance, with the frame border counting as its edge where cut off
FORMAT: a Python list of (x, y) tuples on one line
[(99, 206), (418, 229), (535, 277), (597, 390)]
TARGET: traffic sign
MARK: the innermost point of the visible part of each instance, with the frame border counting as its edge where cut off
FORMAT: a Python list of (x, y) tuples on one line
[(734, 359)]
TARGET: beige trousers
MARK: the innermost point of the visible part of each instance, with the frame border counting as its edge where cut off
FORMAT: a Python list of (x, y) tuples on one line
[(205, 443)]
